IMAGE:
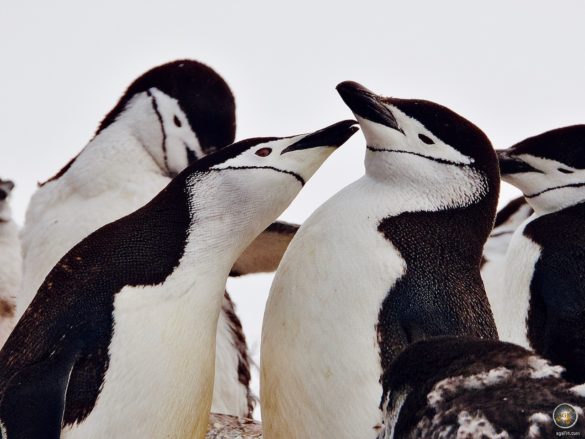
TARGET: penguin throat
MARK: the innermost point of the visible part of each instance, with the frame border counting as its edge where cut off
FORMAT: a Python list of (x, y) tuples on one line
[(534, 195), (435, 159)]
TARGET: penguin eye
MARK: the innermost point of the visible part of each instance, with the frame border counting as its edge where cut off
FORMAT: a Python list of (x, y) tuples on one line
[(426, 139), (565, 171), (177, 121), (3, 195), (263, 152)]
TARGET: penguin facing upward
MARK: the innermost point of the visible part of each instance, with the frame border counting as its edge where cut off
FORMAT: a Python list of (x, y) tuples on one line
[(545, 276), (119, 341), (172, 115), (493, 264), (392, 258), (10, 262), (471, 388)]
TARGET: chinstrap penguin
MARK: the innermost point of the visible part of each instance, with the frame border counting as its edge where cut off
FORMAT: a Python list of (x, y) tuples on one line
[(390, 259), (169, 117), (493, 263), (119, 341), (460, 387), (10, 262), (545, 275)]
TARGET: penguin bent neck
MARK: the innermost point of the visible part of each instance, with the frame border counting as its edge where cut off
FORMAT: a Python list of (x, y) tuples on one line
[(111, 177), (116, 159)]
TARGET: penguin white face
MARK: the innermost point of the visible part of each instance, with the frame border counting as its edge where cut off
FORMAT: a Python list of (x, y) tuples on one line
[(179, 111), (423, 147), (6, 187), (280, 160), (267, 173), (162, 127), (549, 168)]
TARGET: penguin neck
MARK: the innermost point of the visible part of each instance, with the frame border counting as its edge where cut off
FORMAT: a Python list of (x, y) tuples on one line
[(223, 227), (421, 184), (114, 159), (551, 202)]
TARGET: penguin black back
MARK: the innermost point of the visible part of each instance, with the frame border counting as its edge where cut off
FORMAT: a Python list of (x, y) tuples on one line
[(556, 315), (467, 385), (74, 306), (75, 303)]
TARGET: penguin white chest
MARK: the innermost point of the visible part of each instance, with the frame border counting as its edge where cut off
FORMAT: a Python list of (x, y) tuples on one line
[(159, 381), (521, 258), (319, 336), (493, 273)]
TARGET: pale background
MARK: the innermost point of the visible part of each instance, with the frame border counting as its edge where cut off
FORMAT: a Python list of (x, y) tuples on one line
[(515, 68)]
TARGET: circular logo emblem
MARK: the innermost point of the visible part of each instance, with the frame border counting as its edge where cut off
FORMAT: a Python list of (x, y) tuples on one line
[(565, 416)]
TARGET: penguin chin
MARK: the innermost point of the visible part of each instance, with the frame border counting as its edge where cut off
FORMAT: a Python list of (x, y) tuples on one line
[(379, 136)]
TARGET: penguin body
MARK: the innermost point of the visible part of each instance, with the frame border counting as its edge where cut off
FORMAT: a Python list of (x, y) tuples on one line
[(120, 339), (392, 258), (545, 270), (475, 388), (493, 265), (172, 115), (10, 262)]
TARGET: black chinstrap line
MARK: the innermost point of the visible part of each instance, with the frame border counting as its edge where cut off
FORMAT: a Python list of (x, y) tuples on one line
[(554, 188), (162, 128), (295, 175), (398, 151)]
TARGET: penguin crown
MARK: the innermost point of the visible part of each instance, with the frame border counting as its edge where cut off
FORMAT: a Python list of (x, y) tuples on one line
[(564, 145), (548, 168), (202, 94)]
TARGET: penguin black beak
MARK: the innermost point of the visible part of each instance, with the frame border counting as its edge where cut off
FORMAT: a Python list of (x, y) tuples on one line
[(333, 136), (366, 104), (512, 165)]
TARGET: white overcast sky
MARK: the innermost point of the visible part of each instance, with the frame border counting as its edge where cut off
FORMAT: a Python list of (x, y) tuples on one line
[(513, 67)]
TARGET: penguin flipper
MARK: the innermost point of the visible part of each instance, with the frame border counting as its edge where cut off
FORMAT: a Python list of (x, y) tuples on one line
[(33, 403), (266, 251)]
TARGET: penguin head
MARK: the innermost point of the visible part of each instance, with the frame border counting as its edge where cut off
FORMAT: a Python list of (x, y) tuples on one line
[(6, 187), (425, 148), (549, 168), (267, 173), (179, 112)]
